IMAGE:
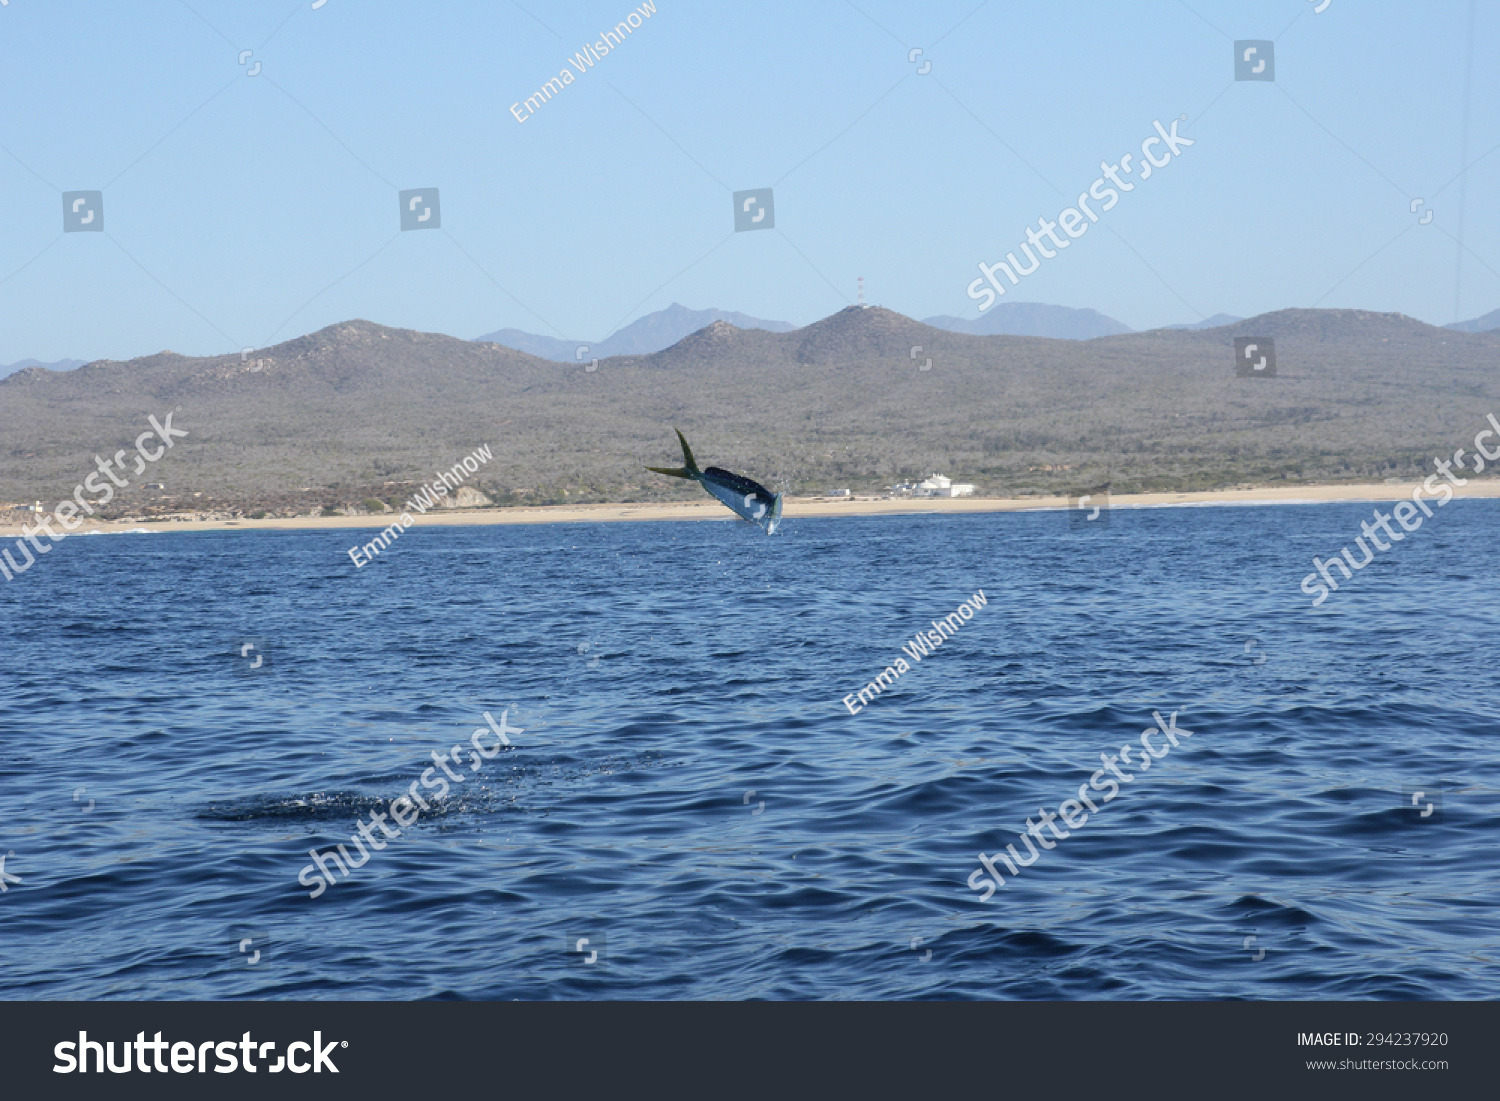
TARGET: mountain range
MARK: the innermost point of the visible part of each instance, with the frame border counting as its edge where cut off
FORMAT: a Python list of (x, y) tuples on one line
[(657, 331), (360, 411)]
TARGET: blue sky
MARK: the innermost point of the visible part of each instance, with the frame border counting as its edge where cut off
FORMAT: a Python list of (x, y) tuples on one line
[(243, 210)]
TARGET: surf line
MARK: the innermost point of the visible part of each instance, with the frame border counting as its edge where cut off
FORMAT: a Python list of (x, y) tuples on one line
[(922, 645)]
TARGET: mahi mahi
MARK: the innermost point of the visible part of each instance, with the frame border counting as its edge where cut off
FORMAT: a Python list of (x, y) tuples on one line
[(750, 500)]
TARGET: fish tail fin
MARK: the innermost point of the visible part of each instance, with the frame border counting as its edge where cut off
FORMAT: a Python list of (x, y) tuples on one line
[(689, 469), (689, 463)]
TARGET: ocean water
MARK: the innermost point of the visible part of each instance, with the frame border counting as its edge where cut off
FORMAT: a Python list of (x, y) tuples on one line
[(686, 791)]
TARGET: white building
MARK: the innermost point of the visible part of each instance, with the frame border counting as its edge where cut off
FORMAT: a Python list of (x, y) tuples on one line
[(939, 486)]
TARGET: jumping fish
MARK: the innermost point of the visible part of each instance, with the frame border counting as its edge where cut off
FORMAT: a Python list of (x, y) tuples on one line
[(750, 500)]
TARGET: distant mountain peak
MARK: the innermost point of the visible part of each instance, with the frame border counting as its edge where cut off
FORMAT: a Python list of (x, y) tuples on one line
[(654, 332), (1218, 320), (1033, 319), (1488, 323)]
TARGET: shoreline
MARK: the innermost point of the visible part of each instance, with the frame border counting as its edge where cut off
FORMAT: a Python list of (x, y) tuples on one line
[(796, 508)]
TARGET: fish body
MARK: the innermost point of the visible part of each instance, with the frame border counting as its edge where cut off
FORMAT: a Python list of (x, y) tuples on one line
[(745, 497)]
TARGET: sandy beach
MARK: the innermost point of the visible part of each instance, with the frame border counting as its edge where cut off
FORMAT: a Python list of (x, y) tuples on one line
[(796, 508)]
